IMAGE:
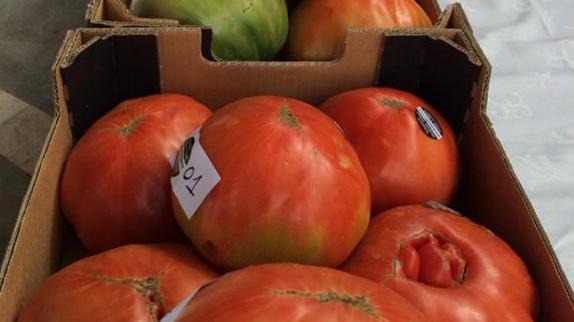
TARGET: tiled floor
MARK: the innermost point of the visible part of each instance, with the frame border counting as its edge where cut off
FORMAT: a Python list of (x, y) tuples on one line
[(30, 34), (22, 131), (13, 185)]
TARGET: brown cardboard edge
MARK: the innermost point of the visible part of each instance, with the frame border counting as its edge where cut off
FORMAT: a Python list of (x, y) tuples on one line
[(127, 24), (23, 208), (91, 36), (12, 276), (91, 10), (465, 48), (77, 44), (533, 216), (444, 17), (458, 12), (15, 237), (75, 51), (436, 34), (57, 115), (95, 5), (62, 52)]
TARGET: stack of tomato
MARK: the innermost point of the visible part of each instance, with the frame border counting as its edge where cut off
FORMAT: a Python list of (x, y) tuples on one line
[(314, 213), (318, 214)]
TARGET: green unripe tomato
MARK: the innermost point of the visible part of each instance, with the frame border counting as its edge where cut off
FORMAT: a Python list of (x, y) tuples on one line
[(242, 29)]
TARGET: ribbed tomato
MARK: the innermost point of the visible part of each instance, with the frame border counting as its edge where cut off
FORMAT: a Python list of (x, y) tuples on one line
[(449, 267), (318, 27), (296, 293), (127, 284), (407, 149), (292, 189), (115, 187)]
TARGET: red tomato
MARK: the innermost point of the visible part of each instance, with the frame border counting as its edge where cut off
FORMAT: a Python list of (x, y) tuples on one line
[(408, 157), (292, 189), (126, 284), (115, 188), (449, 267), (296, 293), (318, 27)]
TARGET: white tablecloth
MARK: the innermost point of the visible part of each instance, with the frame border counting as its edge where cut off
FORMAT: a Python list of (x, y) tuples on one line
[(530, 44)]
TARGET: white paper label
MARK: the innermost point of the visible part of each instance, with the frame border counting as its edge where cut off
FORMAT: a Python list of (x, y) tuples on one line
[(194, 176), (174, 314), (176, 311), (438, 206)]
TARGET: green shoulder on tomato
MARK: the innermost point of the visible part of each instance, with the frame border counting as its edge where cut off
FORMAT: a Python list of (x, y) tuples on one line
[(242, 29)]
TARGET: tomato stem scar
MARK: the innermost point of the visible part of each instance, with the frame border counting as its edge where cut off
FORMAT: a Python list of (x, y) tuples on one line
[(125, 131), (147, 288), (392, 103), (287, 117), (358, 302)]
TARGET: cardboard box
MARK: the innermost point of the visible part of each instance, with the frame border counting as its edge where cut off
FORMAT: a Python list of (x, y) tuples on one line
[(115, 13), (97, 68)]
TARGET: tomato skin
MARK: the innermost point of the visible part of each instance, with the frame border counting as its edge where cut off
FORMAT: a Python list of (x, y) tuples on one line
[(317, 28), (242, 29), (296, 293), (102, 288), (292, 188), (115, 187), (495, 285), (404, 165)]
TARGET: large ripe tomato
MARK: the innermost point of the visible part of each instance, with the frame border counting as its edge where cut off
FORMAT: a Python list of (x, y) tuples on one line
[(115, 187), (296, 293), (318, 27), (292, 189), (128, 284), (242, 29), (407, 149), (449, 267)]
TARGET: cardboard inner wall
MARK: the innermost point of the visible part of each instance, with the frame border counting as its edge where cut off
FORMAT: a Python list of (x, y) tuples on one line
[(180, 53), (115, 13), (489, 188)]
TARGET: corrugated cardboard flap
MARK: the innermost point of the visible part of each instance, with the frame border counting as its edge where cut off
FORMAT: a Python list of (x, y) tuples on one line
[(115, 13)]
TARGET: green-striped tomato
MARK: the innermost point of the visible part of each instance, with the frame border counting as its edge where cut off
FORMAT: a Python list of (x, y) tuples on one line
[(242, 29)]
